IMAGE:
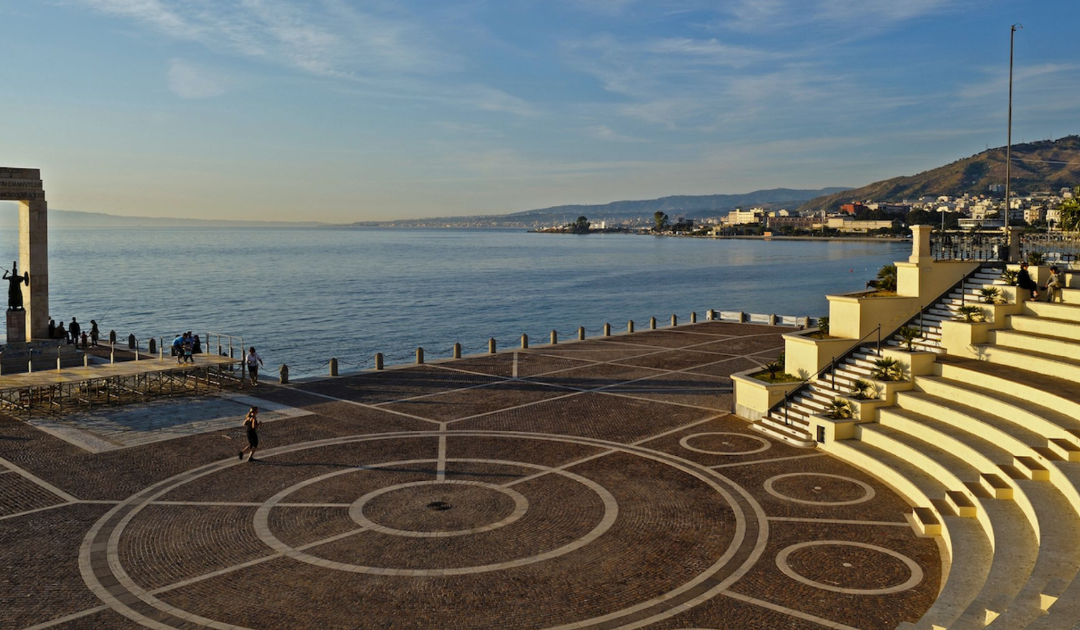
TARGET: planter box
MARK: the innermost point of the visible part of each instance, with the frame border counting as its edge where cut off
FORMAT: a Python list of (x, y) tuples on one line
[(754, 398), (825, 430), (961, 338), (804, 355), (918, 363), (854, 317)]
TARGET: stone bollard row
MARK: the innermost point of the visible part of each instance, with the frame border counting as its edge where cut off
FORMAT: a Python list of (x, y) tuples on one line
[(524, 342), (491, 346), (693, 317), (378, 360), (630, 326), (333, 367), (674, 320), (607, 330), (554, 337), (652, 323), (419, 356), (581, 333), (457, 351)]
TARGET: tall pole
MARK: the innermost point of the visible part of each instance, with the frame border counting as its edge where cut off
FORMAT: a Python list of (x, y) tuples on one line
[(1008, 146)]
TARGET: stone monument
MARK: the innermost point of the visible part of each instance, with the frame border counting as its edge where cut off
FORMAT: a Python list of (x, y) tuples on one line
[(16, 316), (23, 185)]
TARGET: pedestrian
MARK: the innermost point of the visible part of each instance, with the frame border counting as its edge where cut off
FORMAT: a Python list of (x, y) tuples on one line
[(74, 329), (1024, 281), (178, 348), (1054, 285), (196, 346), (187, 353), (94, 333), (61, 333), (52, 329), (253, 362), (251, 423), (85, 340)]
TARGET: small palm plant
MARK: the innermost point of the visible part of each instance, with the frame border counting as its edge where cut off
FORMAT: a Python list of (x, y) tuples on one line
[(910, 334), (862, 389), (886, 278), (840, 409), (1035, 258), (991, 295), (887, 369), (970, 313), (773, 368), (823, 325), (1009, 277)]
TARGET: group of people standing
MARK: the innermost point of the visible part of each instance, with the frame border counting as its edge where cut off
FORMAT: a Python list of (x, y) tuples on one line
[(185, 346), (74, 333), (1054, 284)]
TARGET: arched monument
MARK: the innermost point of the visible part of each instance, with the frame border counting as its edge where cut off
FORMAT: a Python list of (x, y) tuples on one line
[(23, 185)]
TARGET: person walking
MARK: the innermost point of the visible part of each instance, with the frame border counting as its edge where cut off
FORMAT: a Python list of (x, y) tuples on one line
[(61, 332), (1024, 281), (254, 361), (94, 333), (52, 328), (251, 423)]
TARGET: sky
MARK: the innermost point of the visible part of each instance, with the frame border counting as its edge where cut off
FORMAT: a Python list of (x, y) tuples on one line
[(351, 110)]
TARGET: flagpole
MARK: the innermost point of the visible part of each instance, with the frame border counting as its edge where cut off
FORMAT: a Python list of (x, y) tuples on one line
[(1008, 146)]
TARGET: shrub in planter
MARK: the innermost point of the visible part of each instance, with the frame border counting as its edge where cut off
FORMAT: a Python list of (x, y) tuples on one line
[(971, 314), (1009, 277), (840, 409), (991, 295), (910, 334), (863, 390), (888, 369)]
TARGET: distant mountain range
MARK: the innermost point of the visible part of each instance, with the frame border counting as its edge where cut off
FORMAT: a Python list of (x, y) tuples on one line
[(1037, 166), (687, 206)]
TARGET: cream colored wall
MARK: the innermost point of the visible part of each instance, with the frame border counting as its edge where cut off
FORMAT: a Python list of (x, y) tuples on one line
[(804, 356), (854, 317)]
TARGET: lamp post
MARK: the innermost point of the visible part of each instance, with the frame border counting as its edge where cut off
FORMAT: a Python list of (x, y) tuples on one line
[(1008, 146)]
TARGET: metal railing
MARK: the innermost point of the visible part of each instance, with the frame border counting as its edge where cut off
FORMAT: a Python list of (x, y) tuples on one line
[(969, 245), (1056, 247), (918, 317)]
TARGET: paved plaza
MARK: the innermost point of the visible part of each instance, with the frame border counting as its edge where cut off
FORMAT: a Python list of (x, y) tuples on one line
[(596, 484)]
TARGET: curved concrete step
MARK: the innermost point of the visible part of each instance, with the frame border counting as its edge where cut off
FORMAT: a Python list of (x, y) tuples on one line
[(969, 547), (1056, 310), (1051, 514), (1064, 328), (1036, 342), (1030, 360), (1015, 542)]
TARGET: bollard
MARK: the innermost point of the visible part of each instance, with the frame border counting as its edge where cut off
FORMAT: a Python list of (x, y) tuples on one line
[(607, 330), (674, 320), (112, 337), (581, 333), (30, 366), (283, 374), (630, 326), (58, 362), (524, 342), (772, 320), (491, 346), (710, 315), (652, 323), (457, 350), (693, 317), (153, 346), (743, 318), (161, 350), (419, 356), (112, 354), (554, 337), (86, 360), (378, 361), (131, 342), (333, 367)]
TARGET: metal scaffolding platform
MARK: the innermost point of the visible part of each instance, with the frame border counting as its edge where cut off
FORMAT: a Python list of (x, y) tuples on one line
[(69, 389)]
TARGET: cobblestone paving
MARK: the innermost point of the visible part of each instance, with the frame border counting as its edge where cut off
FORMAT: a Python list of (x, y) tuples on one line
[(597, 484)]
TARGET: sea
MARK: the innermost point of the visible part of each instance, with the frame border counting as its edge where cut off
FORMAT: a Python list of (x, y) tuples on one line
[(302, 296)]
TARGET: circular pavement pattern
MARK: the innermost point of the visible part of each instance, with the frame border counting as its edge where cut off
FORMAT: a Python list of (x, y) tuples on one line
[(730, 443), (819, 489), (872, 563), (449, 518)]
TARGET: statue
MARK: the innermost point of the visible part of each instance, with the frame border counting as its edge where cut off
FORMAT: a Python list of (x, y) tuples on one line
[(15, 282)]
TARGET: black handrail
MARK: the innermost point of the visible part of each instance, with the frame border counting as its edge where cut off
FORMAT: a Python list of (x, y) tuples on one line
[(857, 345), (832, 365)]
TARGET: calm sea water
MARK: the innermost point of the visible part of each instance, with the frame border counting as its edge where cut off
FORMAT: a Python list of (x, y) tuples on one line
[(304, 295)]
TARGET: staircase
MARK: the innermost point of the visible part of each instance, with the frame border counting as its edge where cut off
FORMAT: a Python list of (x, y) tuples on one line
[(988, 450), (790, 422)]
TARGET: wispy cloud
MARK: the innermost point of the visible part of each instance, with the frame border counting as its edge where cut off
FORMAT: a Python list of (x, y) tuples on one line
[(870, 15), (187, 80), (607, 134), (330, 39)]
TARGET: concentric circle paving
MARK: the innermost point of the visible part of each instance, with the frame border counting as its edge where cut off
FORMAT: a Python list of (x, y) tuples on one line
[(729, 443), (819, 489), (869, 562), (469, 519)]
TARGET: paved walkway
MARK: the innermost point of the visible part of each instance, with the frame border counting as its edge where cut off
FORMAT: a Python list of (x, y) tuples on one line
[(596, 484)]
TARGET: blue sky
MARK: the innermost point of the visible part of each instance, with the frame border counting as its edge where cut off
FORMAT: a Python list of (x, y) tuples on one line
[(343, 110)]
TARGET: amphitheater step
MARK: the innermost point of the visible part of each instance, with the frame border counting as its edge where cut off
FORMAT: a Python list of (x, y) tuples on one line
[(1065, 449), (1045, 363), (1052, 592), (1032, 469), (961, 503), (926, 521), (995, 486), (1046, 326), (1036, 342), (973, 552), (1056, 310)]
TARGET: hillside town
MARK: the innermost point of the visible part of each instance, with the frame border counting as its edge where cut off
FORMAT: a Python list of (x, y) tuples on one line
[(1040, 210)]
